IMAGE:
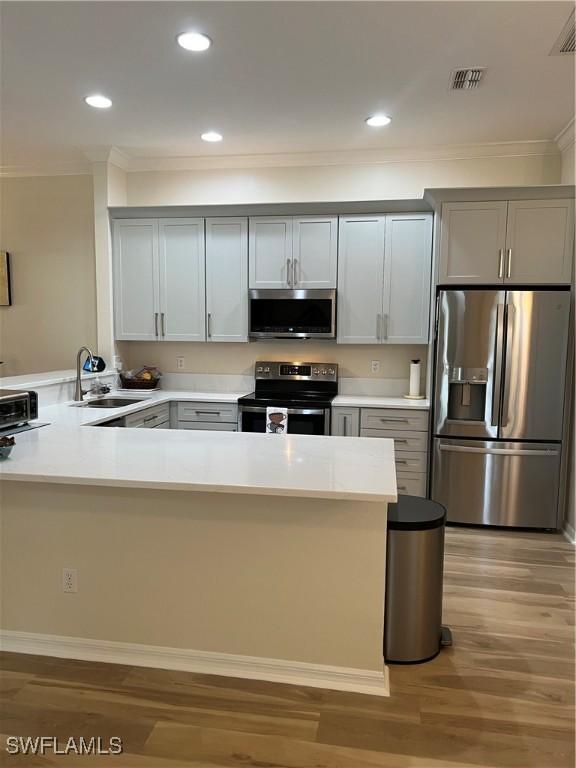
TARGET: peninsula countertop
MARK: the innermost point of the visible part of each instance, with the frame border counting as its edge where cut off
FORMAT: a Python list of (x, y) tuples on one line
[(74, 450)]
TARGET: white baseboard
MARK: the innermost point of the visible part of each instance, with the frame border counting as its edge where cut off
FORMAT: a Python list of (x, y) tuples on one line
[(370, 682), (569, 533)]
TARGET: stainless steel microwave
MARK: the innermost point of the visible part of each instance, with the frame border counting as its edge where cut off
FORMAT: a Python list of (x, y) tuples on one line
[(292, 314)]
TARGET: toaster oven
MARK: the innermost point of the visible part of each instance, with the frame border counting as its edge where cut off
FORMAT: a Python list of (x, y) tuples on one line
[(17, 407)]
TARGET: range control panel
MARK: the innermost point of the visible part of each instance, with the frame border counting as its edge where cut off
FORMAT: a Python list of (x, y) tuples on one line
[(297, 371)]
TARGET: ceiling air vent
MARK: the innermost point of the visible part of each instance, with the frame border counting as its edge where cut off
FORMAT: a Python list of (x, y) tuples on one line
[(466, 79), (565, 42)]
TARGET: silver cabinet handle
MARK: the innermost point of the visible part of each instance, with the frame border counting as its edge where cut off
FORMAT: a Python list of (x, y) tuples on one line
[(209, 324), (401, 487), (379, 327), (150, 418), (162, 323), (156, 324), (401, 461), (210, 413), (392, 418), (288, 272), (509, 262), (294, 273), (345, 426), (385, 326), (501, 263)]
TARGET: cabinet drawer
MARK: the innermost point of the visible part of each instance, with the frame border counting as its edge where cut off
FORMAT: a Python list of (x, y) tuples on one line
[(411, 461), (149, 417), (411, 485), (388, 418), (217, 426), (162, 425), (215, 412), (403, 441)]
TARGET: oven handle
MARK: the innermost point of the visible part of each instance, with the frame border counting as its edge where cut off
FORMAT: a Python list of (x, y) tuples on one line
[(290, 411)]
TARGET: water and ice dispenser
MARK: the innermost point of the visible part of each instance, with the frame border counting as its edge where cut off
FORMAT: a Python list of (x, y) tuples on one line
[(466, 393)]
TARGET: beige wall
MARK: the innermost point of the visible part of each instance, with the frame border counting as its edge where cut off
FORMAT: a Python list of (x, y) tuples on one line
[(337, 182), (354, 361), (282, 578), (47, 225), (569, 165)]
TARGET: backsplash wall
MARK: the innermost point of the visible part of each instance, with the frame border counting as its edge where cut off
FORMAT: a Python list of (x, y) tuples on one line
[(354, 361)]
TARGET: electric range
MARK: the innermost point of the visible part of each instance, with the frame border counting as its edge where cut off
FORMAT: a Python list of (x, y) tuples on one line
[(305, 390)]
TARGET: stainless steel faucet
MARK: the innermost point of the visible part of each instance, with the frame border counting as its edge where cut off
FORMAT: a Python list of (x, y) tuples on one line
[(79, 392)]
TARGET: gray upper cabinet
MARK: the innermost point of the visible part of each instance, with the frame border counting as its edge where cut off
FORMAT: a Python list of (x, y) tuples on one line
[(159, 285), (407, 275), (472, 242), (384, 271), (227, 279), (315, 252), (270, 252), (136, 291), (360, 279), (539, 241), (516, 242), (182, 283)]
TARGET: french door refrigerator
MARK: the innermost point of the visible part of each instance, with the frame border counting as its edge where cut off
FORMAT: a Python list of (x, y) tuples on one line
[(498, 406)]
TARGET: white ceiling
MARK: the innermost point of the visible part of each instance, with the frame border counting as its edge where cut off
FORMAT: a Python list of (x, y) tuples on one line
[(281, 77)]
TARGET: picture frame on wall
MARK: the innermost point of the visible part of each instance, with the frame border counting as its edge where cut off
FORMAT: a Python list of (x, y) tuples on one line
[(5, 285)]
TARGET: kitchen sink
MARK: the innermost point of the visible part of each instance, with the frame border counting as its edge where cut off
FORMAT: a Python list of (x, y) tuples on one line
[(111, 402)]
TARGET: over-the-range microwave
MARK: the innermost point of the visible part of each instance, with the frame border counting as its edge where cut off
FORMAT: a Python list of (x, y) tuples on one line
[(292, 314)]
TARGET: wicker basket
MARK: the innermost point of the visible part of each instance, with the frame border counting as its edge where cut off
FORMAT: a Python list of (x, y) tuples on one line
[(138, 383)]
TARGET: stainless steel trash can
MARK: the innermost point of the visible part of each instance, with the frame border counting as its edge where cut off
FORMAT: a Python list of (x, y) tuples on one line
[(414, 570)]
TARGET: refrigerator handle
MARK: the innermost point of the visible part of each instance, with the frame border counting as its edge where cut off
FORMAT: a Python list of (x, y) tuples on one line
[(510, 309), (498, 361)]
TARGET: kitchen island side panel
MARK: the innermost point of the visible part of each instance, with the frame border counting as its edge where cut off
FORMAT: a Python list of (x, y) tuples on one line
[(274, 577)]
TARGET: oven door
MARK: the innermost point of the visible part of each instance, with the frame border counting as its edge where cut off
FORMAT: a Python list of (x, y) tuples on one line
[(301, 421), (293, 314)]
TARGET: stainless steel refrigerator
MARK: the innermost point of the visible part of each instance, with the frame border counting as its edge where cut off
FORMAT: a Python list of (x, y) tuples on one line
[(498, 407)]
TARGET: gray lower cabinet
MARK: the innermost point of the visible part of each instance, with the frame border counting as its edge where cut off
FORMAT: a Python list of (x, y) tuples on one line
[(345, 422), (209, 416), (149, 418), (409, 430)]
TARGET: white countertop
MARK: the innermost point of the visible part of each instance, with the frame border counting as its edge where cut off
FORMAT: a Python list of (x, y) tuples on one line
[(225, 462), (70, 451), (71, 414), (369, 401)]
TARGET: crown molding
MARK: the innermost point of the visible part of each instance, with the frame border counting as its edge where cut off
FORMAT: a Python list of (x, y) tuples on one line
[(133, 164), (62, 169), (566, 137), (345, 157)]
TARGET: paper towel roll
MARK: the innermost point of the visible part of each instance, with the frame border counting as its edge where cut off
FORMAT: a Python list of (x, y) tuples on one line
[(415, 378)]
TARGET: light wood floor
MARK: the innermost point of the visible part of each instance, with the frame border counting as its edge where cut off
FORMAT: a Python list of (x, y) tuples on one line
[(502, 696)]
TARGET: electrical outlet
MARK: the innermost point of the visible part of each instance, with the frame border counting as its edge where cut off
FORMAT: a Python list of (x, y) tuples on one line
[(180, 363), (375, 366), (69, 580), (117, 363)]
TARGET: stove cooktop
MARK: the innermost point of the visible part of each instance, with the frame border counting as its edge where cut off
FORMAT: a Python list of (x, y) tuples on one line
[(288, 400)]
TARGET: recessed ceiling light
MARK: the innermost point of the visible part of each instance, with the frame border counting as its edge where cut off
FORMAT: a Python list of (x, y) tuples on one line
[(98, 101), (194, 41), (211, 136), (377, 121)]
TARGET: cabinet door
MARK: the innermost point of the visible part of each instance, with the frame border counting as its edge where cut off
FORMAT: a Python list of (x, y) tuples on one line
[(227, 279), (472, 242), (136, 298), (315, 252), (360, 279), (182, 283), (270, 252), (539, 241), (345, 422), (407, 272)]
